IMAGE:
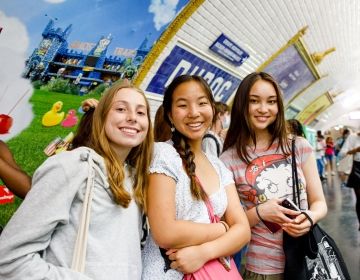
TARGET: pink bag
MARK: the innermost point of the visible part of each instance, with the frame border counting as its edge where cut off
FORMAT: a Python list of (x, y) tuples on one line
[(222, 268)]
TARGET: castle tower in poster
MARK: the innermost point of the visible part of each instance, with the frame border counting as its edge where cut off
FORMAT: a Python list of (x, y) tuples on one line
[(53, 59), (53, 40)]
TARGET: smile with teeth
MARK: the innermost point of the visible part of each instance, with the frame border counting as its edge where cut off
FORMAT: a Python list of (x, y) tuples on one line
[(262, 119), (129, 130), (195, 125)]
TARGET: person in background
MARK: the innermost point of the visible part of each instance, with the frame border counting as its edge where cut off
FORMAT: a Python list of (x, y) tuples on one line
[(212, 141), (257, 150), (320, 154), (182, 177), (344, 164), (352, 147), (38, 242), (162, 130), (15, 179), (329, 154), (295, 127)]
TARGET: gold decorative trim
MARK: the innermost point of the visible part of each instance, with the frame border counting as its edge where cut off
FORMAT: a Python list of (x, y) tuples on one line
[(292, 41), (165, 38)]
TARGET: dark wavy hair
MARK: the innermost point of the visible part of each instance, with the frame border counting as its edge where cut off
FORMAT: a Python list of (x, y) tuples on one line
[(180, 141), (240, 132)]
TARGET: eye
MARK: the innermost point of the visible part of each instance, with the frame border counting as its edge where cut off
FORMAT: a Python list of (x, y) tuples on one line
[(120, 109), (141, 113), (253, 101), (181, 105), (272, 102), (202, 103)]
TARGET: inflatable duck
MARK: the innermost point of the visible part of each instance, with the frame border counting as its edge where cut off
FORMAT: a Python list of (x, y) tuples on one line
[(71, 119), (52, 117)]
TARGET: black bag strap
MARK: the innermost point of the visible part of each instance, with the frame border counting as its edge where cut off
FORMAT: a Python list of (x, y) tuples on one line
[(208, 135), (295, 180)]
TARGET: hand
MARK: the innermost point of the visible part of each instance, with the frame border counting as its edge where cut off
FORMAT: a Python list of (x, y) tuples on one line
[(299, 226), (188, 259), (272, 211), (89, 103)]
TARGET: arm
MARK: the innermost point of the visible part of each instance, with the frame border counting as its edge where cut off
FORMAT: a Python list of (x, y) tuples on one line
[(165, 229), (11, 174), (316, 200), (29, 232), (190, 259)]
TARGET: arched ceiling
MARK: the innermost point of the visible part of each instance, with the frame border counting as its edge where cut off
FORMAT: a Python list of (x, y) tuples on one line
[(262, 28)]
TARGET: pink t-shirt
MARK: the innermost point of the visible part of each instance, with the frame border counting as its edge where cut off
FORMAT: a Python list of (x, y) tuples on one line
[(267, 176)]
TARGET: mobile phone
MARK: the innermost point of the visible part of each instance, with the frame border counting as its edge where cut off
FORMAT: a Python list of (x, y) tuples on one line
[(289, 204), (271, 226)]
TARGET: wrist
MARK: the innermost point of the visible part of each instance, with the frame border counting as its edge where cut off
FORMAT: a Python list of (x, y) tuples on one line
[(258, 213), (225, 225)]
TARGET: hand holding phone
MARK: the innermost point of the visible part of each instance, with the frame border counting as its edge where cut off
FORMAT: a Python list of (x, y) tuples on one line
[(289, 204)]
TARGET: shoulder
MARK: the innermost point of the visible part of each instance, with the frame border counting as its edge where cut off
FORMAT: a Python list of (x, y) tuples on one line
[(162, 149), (166, 160), (72, 163)]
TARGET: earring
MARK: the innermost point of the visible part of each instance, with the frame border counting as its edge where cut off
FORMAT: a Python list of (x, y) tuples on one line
[(172, 128)]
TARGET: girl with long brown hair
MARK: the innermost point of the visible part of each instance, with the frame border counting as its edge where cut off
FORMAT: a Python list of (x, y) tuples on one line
[(257, 150), (39, 241)]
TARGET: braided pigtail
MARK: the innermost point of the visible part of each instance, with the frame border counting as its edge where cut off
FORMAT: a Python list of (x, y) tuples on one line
[(187, 156)]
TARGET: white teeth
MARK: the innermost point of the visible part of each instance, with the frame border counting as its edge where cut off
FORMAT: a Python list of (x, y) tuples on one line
[(194, 124), (129, 130)]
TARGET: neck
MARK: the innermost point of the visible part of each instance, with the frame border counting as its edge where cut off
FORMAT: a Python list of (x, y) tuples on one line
[(262, 139), (195, 147), (121, 153)]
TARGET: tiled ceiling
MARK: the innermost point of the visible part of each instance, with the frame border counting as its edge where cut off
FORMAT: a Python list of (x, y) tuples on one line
[(262, 27)]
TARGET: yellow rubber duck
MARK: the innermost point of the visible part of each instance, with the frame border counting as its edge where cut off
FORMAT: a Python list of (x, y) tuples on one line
[(52, 117)]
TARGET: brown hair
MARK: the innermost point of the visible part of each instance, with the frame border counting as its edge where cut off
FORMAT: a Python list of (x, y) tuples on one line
[(180, 141), (162, 130), (240, 132), (139, 157)]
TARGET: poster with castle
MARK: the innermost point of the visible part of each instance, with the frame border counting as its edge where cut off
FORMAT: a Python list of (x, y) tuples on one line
[(56, 53)]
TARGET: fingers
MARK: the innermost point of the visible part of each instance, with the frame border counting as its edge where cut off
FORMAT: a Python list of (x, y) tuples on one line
[(89, 103)]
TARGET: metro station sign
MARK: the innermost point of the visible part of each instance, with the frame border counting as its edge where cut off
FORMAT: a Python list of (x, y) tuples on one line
[(181, 61)]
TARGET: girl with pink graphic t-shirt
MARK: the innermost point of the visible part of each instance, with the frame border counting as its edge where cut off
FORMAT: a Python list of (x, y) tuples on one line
[(257, 150)]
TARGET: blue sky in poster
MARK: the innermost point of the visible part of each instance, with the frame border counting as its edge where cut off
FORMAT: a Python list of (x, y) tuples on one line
[(129, 22), (23, 21)]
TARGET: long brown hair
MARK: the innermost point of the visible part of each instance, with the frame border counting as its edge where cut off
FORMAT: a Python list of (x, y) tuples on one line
[(180, 141), (240, 132), (139, 157)]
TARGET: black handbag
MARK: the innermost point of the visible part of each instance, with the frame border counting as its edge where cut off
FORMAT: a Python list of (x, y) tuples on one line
[(313, 256)]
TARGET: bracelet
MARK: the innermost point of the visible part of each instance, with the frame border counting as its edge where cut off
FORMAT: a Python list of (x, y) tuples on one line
[(257, 213), (225, 225)]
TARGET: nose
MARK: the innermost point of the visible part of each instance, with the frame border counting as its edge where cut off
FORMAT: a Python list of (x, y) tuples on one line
[(262, 107), (193, 111), (131, 116)]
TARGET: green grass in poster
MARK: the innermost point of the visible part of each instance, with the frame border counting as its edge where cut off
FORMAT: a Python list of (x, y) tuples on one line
[(28, 146)]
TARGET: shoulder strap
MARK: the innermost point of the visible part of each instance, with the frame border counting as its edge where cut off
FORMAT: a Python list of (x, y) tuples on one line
[(208, 135), (295, 178), (79, 255)]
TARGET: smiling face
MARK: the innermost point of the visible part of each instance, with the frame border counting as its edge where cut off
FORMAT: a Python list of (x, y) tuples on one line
[(263, 105), (191, 111), (127, 121)]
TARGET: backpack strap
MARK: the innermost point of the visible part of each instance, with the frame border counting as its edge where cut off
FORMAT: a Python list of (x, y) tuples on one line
[(208, 135)]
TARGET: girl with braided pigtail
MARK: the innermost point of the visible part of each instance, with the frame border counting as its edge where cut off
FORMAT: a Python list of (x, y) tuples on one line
[(182, 179)]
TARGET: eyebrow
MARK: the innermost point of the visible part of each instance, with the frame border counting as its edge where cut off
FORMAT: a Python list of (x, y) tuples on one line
[(127, 103), (184, 99)]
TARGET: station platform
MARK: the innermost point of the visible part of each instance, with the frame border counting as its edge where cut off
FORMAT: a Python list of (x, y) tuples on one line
[(341, 223)]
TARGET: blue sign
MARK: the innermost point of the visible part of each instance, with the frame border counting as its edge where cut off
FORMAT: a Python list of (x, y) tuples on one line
[(227, 49), (181, 61)]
